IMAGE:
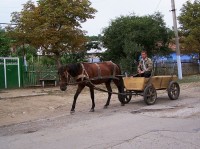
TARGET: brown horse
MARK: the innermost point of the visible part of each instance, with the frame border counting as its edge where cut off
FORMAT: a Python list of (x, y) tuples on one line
[(90, 74)]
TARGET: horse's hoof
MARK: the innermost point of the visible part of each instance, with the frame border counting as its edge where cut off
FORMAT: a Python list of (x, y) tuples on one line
[(72, 111), (91, 110), (105, 107)]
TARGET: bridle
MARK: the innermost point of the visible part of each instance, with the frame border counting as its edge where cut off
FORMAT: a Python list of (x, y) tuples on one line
[(83, 77), (65, 77)]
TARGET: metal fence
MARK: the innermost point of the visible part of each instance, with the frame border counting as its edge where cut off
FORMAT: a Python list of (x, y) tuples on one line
[(13, 74), (167, 68), (32, 74), (188, 68)]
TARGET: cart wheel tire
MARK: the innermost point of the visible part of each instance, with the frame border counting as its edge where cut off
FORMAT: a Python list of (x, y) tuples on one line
[(128, 96), (121, 97), (173, 90), (150, 95)]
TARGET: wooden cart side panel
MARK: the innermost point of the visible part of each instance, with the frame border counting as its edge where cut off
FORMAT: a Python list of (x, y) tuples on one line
[(139, 83), (135, 83), (162, 82), (156, 81)]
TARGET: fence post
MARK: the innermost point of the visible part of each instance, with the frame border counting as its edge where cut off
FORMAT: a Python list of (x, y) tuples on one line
[(5, 75), (199, 66), (21, 72)]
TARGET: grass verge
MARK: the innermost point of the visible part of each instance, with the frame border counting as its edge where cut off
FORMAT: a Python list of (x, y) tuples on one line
[(189, 79)]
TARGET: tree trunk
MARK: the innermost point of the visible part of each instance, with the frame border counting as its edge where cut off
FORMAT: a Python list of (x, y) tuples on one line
[(58, 63), (58, 60)]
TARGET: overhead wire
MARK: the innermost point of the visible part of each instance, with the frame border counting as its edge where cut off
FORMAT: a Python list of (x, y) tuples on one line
[(158, 5)]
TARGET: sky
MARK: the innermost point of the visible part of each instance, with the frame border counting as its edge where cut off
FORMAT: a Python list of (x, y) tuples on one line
[(107, 10)]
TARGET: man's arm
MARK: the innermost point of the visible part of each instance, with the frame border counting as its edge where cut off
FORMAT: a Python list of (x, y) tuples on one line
[(139, 67), (150, 65)]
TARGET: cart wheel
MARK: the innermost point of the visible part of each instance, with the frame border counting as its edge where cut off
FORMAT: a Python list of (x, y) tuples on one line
[(150, 95), (128, 96), (173, 90)]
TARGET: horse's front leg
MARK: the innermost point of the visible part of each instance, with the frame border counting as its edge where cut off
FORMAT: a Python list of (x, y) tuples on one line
[(92, 97), (78, 91), (109, 94)]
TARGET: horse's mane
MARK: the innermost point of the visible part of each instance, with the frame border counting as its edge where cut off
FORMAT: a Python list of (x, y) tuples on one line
[(61, 69), (73, 69)]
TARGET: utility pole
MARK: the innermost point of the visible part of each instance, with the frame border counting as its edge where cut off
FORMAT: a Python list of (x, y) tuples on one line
[(178, 55)]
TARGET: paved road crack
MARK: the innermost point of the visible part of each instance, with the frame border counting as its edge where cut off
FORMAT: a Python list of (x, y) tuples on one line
[(154, 131)]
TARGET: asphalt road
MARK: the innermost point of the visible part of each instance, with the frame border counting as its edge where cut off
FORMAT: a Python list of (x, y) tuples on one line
[(167, 125)]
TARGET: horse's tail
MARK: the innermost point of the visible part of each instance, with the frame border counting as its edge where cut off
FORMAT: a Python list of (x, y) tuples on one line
[(119, 69), (120, 76), (120, 85), (117, 73)]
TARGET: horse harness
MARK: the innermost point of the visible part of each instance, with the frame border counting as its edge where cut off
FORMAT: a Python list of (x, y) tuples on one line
[(85, 78), (84, 75)]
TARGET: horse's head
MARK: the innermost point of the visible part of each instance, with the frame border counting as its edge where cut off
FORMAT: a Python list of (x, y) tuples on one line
[(64, 77), (65, 72)]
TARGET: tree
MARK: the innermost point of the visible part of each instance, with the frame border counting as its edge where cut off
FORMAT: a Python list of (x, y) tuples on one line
[(74, 57), (126, 36), (29, 51), (54, 26), (5, 42), (94, 42), (189, 20)]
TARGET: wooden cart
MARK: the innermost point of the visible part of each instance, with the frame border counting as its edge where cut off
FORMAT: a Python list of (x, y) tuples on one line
[(147, 87)]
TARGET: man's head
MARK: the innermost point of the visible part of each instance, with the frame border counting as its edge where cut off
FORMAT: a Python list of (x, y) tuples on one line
[(144, 54)]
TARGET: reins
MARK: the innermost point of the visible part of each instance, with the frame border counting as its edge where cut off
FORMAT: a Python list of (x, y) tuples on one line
[(102, 90), (96, 88)]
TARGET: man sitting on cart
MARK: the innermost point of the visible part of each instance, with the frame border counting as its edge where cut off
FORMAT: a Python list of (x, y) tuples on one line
[(145, 65)]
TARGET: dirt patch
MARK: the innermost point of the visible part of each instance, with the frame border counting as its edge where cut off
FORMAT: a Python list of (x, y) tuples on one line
[(17, 106), (21, 105)]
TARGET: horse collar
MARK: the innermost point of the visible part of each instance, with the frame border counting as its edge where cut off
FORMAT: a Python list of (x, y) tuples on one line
[(83, 74)]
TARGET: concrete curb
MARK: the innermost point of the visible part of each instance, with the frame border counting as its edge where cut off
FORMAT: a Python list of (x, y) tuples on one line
[(22, 96)]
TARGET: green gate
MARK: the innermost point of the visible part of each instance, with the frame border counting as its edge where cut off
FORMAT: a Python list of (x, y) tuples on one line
[(10, 72)]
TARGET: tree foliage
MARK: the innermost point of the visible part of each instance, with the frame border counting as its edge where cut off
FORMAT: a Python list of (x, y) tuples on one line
[(94, 42), (126, 36), (54, 26), (5, 42), (189, 20), (28, 51), (74, 57)]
